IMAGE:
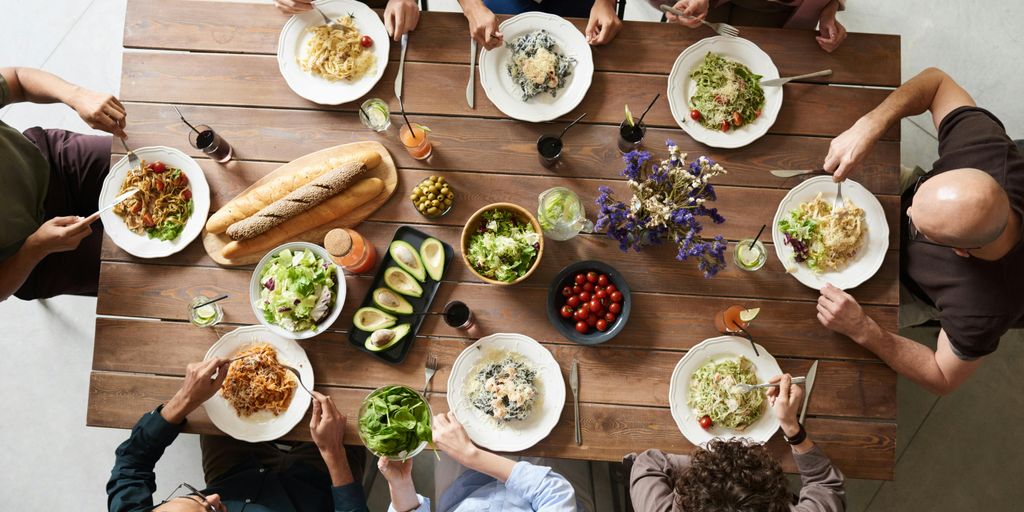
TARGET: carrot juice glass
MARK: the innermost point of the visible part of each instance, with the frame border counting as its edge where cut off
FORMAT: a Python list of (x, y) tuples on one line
[(416, 141)]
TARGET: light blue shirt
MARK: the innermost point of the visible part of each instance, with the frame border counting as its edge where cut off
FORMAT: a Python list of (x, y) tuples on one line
[(529, 488)]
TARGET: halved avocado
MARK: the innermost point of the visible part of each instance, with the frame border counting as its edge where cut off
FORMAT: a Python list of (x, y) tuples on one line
[(383, 339), (391, 302), (432, 255), (370, 319), (401, 282), (407, 258)]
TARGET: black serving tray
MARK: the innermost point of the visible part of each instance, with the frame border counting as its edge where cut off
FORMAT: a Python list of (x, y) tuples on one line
[(397, 352)]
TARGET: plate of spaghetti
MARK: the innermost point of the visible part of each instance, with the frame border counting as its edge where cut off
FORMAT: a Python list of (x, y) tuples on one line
[(169, 210), (260, 400), (333, 65)]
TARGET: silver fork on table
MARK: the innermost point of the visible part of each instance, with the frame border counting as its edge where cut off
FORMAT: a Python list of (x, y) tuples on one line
[(747, 388), (428, 372), (133, 159), (723, 29), (298, 378)]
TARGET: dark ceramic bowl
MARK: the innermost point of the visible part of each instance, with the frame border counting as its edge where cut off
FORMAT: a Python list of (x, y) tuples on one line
[(567, 326)]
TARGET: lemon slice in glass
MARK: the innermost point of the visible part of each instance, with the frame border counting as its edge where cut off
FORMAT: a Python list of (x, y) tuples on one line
[(748, 315), (206, 312)]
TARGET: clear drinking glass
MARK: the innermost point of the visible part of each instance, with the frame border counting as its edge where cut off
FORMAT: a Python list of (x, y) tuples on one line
[(631, 137), (208, 141), (750, 257), (416, 141), (375, 115), (561, 214), (549, 150), (205, 316), (458, 315)]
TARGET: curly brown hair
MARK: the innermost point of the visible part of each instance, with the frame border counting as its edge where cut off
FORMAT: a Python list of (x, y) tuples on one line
[(733, 476)]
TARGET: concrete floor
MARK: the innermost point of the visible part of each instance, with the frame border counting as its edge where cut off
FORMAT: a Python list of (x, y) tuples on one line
[(954, 453)]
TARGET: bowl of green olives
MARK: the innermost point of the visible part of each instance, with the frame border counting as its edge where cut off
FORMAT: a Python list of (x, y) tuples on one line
[(433, 197)]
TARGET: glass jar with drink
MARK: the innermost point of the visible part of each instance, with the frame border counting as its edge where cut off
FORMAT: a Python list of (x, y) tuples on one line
[(561, 214), (210, 142), (207, 314), (750, 255), (350, 250)]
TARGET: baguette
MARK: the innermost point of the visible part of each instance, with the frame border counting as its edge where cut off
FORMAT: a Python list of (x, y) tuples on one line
[(328, 211), (302, 199), (248, 203)]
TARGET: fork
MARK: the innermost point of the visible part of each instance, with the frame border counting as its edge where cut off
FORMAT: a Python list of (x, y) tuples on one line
[(428, 372), (721, 28), (747, 388), (838, 204), (133, 159), (298, 377), (330, 23)]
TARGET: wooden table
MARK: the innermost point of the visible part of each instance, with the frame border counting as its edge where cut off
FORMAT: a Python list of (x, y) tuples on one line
[(223, 73)]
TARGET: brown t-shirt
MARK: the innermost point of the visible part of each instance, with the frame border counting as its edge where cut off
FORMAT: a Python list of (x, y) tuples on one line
[(24, 178), (978, 300)]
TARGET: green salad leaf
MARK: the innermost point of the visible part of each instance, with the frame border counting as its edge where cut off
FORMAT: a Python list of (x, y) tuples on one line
[(297, 290), (396, 420), (503, 248)]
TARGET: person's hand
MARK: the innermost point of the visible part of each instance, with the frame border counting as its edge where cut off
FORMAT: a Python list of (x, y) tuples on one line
[(202, 380), (60, 234), (451, 437), (785, 402), (483, 26), (394, 471), (327, 425), (848, 149), (831, 32), (697, 10), (401, 16), (293, 6), (100, 111), (839, 311), (604, 24)]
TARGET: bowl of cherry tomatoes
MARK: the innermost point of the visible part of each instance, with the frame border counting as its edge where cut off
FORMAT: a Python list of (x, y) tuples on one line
[(589, 302)]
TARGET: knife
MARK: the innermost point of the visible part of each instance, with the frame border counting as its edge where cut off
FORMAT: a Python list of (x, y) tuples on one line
[(787, 79), (117, 200), (808, 387), (574, 384), (401, 67), (789, 173), (471, 86)]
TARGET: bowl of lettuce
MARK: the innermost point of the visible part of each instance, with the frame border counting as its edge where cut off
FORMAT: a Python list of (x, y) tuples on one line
[(297, 291), (502, 244), (394, 422)]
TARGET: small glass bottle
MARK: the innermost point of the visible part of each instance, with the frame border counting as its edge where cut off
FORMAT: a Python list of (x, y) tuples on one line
[(350, 250)]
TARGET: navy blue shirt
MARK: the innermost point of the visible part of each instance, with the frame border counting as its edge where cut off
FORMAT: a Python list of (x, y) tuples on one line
[(248, 487), (571, 8)]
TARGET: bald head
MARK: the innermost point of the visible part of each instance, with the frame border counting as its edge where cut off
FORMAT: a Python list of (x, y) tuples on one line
[(961, 208)]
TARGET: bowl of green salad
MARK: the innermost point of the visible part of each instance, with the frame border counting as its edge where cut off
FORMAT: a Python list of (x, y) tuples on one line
[(502, 244), (395, 422), (297, 291)]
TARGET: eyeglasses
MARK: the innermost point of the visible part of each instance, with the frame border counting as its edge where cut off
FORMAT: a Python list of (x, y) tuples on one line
[(195, 495), (914, 235)]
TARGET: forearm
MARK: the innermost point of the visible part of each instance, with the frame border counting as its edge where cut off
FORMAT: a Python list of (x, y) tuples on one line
[(337, 467), (489, 464), (16, 269), (912, 98), (37, 86), (906, 357), (403, 495)]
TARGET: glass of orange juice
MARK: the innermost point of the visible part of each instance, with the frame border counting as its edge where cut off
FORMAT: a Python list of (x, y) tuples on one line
[(417, 143), (734, 319)]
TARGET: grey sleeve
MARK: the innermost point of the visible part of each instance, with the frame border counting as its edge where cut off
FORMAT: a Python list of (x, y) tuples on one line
[(822, 489), (651, 484)]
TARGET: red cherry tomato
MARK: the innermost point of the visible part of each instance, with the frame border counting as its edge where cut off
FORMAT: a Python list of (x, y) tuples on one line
[(584, 296), (588, 287), (595, 306), (591, 321), (725, 126), (609, 317), (580, 278), (157, 167), (602, 280), (582, 327), (567, 312), (567, 291), (186, 194), (182, 179), (577, 289), (610, 288), (573, 301), (592, 276), (737, 119), (757, 114), (705, 422), (582, 313), (616, 296), (601, 325), (600, 294), (366, 41), (615, 307), (160, 185), (695, 115)]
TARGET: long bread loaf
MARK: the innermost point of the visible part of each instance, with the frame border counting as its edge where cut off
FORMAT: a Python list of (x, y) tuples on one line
[(300, 200), (250, 202), (328, 211)]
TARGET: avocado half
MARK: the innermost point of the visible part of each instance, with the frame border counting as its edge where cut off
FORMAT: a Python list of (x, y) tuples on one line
[(432, 255), (370, 319), (391, 302), (383, 339), (401, 282), (407, 258)]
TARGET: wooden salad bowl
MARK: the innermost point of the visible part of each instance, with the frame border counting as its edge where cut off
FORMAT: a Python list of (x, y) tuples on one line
[(524, 216)]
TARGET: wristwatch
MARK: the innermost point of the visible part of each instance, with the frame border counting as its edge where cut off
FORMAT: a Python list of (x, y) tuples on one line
[(800, 436)]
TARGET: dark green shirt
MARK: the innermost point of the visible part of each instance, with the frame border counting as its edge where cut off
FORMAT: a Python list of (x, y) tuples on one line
[(24, 178)]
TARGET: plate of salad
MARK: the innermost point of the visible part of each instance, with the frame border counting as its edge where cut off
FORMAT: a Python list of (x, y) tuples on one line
[(502, 243), (297, 291), (394, 422), (715, 93)]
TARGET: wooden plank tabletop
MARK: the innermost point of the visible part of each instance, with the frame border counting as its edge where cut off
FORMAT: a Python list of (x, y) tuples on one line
[(195, 55)]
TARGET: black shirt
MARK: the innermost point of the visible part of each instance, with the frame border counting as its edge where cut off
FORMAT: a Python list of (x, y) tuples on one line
[(978, 300)]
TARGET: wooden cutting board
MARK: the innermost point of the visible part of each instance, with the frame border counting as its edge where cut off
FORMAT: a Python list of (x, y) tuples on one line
[(385, 171)]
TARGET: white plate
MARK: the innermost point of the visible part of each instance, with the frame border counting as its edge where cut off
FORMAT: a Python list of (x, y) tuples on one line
[(507, 96), (141, 245), (547, 409), (722, 347), (681, 87), (262, 426), (871, 254), (255, 286), (313, 87)]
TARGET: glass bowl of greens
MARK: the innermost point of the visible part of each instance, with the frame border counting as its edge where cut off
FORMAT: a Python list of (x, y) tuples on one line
[(394, 422), (502, 243), (297, 291)]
